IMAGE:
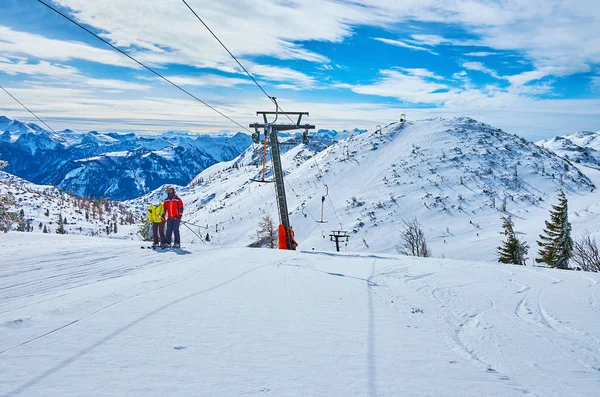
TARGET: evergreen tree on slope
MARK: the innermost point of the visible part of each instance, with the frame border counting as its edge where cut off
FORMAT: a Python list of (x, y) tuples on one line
[(512, 251), (556, 245), (7, 217)]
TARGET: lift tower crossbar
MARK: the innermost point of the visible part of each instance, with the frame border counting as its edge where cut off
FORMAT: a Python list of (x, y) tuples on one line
[(271, 130)]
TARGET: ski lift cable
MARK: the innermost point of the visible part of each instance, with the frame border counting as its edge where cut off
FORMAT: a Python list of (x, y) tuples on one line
[(143, 65), (234, 57), (26, 108), (302, 202)]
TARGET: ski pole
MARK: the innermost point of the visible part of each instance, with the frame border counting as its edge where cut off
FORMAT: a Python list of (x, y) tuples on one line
[(204, 227), (200, 237)]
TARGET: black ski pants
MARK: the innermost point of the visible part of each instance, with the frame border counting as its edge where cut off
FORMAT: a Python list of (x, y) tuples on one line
[(158, 229), (173, 228)]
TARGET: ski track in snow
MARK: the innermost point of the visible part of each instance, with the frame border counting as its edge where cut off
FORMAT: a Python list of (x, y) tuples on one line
[(578, 346)]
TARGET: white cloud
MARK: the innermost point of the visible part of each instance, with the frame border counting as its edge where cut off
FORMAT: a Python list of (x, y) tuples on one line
[(40, 68), (64, 75), (417, 86), (480, 54), (480, 67), (462, 75), (169, 28), (399, 43), (33, 45), (429, 39), (281, 74), (406, 86), (421, 72), (210, 80)]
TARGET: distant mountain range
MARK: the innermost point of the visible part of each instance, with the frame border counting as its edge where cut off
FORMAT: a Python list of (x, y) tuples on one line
[(110, 165)]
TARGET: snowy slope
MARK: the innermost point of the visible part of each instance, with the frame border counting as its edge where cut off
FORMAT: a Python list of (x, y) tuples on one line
[(114, 320), (42, 205), (457, 176), (580, 148)]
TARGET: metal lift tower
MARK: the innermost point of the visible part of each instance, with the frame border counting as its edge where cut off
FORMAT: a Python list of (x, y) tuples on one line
[(270, 131)]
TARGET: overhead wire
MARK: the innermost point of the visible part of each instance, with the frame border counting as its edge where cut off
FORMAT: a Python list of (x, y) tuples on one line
[(143, 65), (29, 110), (234, 57)]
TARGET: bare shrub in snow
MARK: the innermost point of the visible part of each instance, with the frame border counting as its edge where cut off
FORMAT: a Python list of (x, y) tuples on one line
[(586, 254), (266, 234), (413, 238)]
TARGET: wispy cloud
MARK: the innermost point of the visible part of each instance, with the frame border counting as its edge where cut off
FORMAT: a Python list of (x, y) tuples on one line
[(283, 74), (65, 75), (37, 46), (429, 39), (210, 80), (480, 67), (399, 43), (412, 86), (43, 68), (480, 54)]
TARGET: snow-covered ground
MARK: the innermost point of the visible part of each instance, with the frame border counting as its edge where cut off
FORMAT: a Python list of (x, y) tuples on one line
[(84, 316)]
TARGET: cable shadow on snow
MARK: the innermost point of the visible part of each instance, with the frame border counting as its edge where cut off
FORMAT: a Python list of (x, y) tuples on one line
[(371, 359), (124, 328)]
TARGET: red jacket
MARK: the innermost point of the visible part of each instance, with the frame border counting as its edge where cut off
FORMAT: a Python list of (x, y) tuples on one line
[(173, 206)]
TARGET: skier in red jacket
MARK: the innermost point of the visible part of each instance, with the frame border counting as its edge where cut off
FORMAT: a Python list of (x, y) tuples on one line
[(173, 210)]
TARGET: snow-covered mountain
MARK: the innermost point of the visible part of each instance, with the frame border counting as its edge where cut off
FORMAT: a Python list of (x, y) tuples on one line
[(40, 207), (112, 165), (457, 176), (580, 148)]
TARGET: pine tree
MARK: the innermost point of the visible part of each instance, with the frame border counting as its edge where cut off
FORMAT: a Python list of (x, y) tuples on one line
[(512, 251), (145, 230), (45, 229), (61, 226), (21, 224), (7, 217), (556, 243)]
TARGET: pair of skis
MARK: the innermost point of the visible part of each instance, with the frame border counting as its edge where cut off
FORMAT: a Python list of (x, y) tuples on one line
[(149, 247)]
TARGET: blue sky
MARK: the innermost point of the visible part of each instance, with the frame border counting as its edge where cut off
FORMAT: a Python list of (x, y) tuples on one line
[(531, 68)]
